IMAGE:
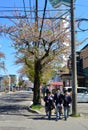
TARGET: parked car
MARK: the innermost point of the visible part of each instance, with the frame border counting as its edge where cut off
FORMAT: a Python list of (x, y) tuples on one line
[(82, 93), (30, 89)]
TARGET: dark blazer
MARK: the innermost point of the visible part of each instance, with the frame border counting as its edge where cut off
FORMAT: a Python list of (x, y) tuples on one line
[(49, 102), (58, 99), (67, 100)]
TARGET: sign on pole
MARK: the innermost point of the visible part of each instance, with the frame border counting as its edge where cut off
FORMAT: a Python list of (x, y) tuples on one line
[(57, 3)]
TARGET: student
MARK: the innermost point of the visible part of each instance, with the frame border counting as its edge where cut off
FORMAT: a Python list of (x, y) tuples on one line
[(49, 104), (66, 103), (58, 98)]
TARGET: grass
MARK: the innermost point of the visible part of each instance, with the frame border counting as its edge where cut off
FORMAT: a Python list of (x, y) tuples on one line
[(73, 115), (36, 107)]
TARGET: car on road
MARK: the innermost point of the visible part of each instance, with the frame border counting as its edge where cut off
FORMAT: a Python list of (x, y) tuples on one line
[(30, 90), (82, 93)]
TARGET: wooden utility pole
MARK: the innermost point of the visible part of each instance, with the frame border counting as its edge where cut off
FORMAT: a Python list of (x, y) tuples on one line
[(74, 65)]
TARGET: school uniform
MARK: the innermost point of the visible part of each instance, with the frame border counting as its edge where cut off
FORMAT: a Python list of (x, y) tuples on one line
[(58, 98), (49, 105), (66, 103)]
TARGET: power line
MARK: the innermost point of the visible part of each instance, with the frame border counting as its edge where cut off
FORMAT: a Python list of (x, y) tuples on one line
[(11, 7), (80, 22), (30, 8), (10, 10), (27, 10), (24, 7), (13, 17), (40, 10), (43, 19)]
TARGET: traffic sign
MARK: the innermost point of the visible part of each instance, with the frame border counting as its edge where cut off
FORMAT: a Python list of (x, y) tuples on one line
[(57, 3)]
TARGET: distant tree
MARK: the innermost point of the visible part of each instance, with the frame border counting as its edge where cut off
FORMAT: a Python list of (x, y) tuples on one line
[(6, 82), (2, 65), (21, 82)]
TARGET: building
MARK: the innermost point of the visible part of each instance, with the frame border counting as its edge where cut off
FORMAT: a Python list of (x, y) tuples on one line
[(82, 68), (1, 83), (7, 82), (84, 58)]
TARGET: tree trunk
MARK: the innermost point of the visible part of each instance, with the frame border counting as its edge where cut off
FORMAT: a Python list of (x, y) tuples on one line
[(36, 96)]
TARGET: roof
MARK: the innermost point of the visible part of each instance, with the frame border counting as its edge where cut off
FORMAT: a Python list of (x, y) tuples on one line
[(84, 47)]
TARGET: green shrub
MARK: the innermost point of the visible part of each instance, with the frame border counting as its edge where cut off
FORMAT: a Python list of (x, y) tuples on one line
[(37, 107), (73, 115)]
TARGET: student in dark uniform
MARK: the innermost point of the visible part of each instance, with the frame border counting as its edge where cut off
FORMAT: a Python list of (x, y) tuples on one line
[(49, 104), (58, 99), (66, 103)]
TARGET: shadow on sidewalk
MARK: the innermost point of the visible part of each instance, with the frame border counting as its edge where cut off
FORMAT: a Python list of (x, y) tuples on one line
[(17, 110)]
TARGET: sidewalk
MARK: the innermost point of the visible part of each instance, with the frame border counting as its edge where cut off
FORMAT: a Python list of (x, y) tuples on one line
[(73, 123), (82, 114)]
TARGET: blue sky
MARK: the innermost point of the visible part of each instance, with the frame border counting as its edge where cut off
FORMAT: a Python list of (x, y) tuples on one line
[(81, 11)]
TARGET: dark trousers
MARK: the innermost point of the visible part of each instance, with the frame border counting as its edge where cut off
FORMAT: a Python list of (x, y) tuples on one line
[(48, 112)]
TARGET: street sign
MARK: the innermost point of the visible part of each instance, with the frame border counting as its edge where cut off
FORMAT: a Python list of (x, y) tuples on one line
[(57, 3)]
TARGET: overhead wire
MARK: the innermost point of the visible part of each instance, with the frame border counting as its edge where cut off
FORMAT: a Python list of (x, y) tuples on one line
[(10, 10), (80, 20), (24, 7), (30, 5), (25, 10), (43, 19), (30, 9), (13, 17)]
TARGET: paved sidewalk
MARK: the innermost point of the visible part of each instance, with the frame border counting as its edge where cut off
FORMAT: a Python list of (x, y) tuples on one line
[(73, 123)]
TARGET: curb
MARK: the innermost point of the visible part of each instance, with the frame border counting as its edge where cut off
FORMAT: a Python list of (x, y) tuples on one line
[(34, 111), (38, 112)]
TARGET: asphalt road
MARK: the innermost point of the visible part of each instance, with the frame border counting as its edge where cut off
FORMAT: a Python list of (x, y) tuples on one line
[(20, 100), (14, 116), (15, 102)]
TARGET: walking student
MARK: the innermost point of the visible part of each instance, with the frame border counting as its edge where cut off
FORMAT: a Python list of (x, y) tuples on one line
[(58, 99), (66, 103), (49, 104)]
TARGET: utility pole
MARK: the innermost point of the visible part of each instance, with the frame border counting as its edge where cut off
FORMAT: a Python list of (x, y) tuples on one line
[(74, 65), (9, 78)]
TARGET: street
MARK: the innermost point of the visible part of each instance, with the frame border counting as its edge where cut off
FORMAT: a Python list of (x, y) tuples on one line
[(14, 115)]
